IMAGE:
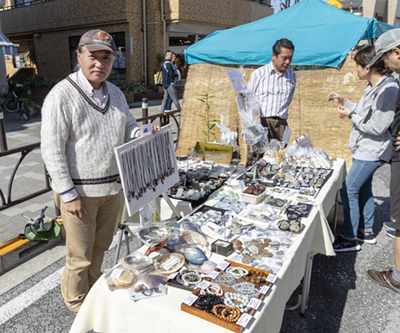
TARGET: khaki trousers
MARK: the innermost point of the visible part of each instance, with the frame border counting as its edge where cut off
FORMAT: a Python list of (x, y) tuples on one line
[(87, 240), (276, 127)]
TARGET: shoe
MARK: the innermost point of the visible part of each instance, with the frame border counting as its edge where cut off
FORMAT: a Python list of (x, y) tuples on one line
[(363, 238), (342, 245), (385, 279), (391, 233), (388, 225)]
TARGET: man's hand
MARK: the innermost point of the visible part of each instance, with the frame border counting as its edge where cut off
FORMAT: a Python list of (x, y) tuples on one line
[(343, 111), (76, 207), (154, 130)]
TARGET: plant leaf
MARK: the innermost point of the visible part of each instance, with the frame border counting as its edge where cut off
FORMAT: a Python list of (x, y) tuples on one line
[(207, 124), (212, 126), (200, 115), (205, 133), (215, 121), (211, 96), (201, 100)]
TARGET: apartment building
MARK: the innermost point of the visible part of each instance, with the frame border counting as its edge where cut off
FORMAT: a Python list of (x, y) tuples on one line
[(387, 11), (48, 31)]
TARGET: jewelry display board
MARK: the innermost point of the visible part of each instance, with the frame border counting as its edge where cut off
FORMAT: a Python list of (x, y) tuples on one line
[(147, 167)]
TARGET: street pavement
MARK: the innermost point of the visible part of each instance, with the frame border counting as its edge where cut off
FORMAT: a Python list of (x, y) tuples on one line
[(342, 298)]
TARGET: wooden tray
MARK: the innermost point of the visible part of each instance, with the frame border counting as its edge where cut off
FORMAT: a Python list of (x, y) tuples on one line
[(218, 321)]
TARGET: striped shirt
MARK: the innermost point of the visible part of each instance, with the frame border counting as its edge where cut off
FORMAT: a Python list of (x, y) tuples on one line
[(274, 91)]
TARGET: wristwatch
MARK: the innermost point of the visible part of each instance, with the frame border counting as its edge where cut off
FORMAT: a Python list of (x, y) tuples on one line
[(350, 114)]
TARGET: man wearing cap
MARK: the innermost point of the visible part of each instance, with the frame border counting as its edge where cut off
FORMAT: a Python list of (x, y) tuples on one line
[(387, 48), (83, 118)]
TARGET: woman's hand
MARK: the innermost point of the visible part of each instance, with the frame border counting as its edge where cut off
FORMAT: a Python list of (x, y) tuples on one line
[(336, 98), (155, 129), (343, 111), (398, 143)]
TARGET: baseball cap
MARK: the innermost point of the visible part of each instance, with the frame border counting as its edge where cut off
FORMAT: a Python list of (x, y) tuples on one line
[(98, 40), (387, 41)]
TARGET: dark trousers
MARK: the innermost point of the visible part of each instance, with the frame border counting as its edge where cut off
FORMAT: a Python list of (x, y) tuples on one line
[(395, 195), (276, 127)]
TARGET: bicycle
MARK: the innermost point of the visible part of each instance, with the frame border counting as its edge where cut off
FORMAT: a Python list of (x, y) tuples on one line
[(14, 104)]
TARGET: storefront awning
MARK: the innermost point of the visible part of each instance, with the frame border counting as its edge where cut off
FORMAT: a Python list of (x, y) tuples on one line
[(6, 47)]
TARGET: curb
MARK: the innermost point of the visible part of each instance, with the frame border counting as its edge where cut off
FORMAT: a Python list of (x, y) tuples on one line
[(19, 250)]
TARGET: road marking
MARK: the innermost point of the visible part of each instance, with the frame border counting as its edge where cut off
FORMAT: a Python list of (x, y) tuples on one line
[(22, 301)]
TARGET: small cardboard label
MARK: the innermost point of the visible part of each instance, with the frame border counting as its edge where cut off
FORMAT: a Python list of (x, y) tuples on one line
[(265, 289), (203, 284), (169, 263), (244, 320), (271, 278), (31, 235), (116, 273), (190, 300), (147, 129), (254, 303), (223, 265), (213, 274), (173, 276)]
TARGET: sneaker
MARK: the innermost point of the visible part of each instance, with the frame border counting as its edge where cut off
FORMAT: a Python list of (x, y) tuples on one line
[(391, 233), (385, 279), (343, 245), (388, 225), (363, 238)]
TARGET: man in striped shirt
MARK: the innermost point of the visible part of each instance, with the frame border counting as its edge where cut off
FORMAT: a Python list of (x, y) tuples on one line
[(274, 85)]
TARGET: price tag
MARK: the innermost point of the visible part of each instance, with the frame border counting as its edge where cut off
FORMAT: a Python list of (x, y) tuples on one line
[(31, 235), (116, 273), (244, 320), (203, 284), (265, 289), (254, 303), (169, 263), (173, 276), (223, 265), (242, 185), (213, 274), (190, 300), (271, 278)]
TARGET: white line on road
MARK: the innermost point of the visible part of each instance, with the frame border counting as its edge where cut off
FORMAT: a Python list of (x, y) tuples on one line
[(22, 301)]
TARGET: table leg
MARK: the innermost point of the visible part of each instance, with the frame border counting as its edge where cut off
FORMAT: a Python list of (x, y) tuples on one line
[(306, 284), (335, 213)]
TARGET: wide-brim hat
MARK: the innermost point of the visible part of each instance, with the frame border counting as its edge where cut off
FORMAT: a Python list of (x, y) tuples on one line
[(98, 40)]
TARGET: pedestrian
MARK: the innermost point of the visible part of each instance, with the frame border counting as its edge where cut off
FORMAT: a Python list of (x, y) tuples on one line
[(370, 146), (177, 78), (388, 49), (273, 85), (168, 75), (83, 118)]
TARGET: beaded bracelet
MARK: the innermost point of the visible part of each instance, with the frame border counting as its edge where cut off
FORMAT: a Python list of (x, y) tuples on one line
[(207, 302), (213, 289), (237, 272), (230, 314), (243, 299), (190, 278)]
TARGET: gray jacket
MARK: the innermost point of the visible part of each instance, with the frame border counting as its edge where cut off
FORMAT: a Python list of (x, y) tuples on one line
[(370, 137)]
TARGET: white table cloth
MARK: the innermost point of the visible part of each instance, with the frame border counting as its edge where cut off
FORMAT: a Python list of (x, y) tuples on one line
[(113, 312)]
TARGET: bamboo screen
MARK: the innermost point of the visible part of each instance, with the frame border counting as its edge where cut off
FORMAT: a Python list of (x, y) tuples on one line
[(309, 111)]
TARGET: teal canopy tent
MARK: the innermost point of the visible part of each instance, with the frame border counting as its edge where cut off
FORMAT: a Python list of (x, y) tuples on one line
[(322, 35)]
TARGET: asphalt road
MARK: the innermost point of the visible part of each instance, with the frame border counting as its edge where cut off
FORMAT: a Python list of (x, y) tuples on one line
[(342, 299)]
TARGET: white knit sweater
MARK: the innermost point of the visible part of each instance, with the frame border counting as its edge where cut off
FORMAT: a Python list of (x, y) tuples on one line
[(78, 138)]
